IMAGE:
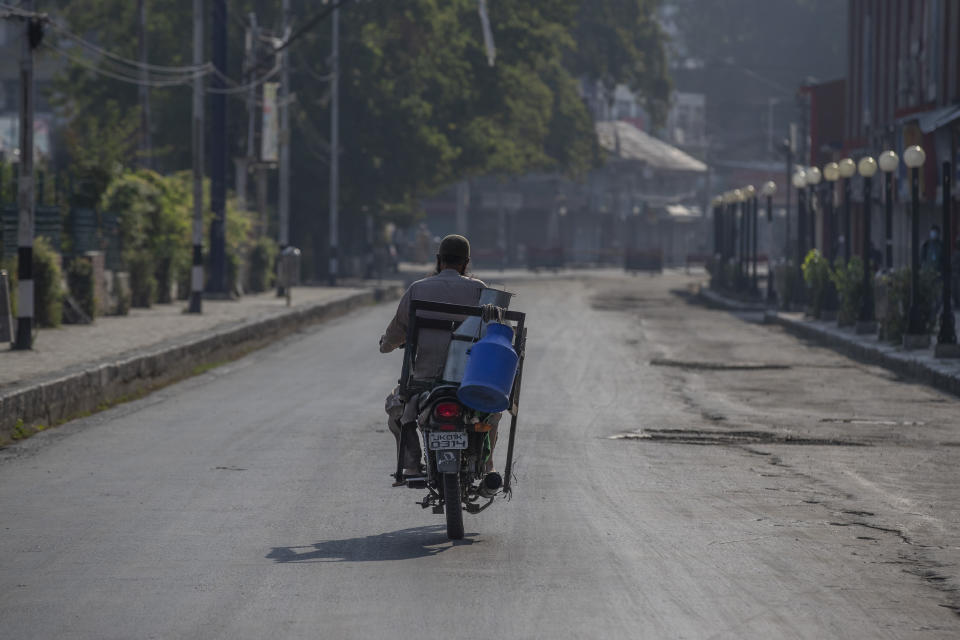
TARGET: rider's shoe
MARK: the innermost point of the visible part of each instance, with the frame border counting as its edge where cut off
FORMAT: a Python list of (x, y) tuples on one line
[(414, 474)]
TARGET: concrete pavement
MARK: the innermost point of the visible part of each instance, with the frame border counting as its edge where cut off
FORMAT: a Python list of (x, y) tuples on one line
[(681, 474), (915, 364), (77, 369)]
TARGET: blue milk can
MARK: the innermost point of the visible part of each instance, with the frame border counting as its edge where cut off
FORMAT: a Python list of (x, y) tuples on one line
[(491, 367)]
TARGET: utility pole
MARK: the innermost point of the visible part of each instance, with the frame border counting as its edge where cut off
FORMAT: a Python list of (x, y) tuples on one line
[(145, 143), (218, 154), (32, 32), (242, 163), (335, 150), (283, 232), (196, 272)]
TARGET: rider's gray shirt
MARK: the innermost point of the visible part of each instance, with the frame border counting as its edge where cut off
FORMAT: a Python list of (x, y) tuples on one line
[(447, 286)]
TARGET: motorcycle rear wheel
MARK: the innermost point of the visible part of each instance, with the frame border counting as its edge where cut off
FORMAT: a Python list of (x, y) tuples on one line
[(452, 508)]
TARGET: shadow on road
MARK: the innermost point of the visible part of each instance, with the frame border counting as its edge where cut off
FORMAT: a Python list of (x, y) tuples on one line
[(417, 542)]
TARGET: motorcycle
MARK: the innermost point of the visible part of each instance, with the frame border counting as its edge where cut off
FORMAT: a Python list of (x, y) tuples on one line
[(454, 437)]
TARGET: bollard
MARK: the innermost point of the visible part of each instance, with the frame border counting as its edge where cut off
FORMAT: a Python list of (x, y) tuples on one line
[(289, 270)]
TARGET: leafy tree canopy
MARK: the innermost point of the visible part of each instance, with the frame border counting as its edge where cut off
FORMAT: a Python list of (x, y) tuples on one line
[(420, 106)]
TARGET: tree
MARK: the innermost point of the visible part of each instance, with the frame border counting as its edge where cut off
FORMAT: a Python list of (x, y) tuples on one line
[(420, 106)]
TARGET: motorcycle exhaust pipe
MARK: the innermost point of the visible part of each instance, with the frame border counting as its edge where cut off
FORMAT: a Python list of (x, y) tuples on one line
[(491, 484)]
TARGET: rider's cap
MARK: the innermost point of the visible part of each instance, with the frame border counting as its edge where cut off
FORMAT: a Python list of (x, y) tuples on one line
[(455, 246)]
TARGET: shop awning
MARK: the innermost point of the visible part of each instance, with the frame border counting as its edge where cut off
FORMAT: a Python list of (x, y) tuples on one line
[(630, 143), (930, 121)]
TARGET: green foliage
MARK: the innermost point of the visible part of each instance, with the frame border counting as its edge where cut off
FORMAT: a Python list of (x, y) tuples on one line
[(143, 283), (895, 320), (48, 292), (154, 214), (99, 143), (849, 282), (262, 258), (621, 41), (81, 285), (816, 275)]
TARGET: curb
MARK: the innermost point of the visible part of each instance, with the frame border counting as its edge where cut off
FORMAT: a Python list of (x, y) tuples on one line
[(896, 361), (55, 400), (901, 363)]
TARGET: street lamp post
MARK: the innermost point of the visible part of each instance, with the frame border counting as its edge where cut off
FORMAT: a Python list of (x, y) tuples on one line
[(888, 162), (768, 189), (813, 176), (717, 204), (740, 204), (947, 338), (750, 194), (799, 182), (916, 336), (847, 168), (867, 319), (831, 173)]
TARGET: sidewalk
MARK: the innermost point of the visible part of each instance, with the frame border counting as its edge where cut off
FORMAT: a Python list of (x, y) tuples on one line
[(77, 369), (919, 365)]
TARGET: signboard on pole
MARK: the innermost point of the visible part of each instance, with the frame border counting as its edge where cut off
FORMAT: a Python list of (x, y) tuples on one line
[(270, 132)]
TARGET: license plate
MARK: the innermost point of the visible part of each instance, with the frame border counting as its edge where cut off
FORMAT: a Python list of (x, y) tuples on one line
[(440, 440)]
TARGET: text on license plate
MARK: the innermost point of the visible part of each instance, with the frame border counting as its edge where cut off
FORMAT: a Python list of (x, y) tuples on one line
[(447, 440)]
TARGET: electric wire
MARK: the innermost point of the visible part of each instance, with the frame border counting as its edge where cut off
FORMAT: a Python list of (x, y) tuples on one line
[(143, 66), (95, 68)]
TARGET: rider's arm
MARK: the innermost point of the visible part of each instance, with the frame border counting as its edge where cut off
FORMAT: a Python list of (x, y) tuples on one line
[(396, 333)]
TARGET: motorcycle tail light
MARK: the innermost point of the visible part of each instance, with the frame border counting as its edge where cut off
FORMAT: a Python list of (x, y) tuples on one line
[(447, 410)]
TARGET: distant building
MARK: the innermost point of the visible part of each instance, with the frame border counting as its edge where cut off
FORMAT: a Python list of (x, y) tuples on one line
[(903, 88), (647, 196)]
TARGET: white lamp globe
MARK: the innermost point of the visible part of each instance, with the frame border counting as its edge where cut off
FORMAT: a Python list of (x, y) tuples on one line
[(867, 167), (888, 161), (831, 171), (749, 191), (769, 188), (799, 179), (813, 176), (847, 168), (914, 156), (737, 195)]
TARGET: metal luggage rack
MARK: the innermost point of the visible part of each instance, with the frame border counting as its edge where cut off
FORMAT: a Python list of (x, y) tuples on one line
[(410, 387)]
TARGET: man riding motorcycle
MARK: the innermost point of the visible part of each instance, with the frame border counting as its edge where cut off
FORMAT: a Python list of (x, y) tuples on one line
[(449, 285)]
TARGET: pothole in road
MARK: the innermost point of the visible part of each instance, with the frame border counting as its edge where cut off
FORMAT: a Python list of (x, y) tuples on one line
[(702, 437), (874, 422), (717, 366), (620, 302)]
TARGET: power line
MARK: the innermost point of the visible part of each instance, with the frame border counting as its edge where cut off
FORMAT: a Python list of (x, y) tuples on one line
[(122, 60), (310, 23), (94, 67)]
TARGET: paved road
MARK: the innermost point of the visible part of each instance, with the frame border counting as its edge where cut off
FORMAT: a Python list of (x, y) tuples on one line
[(683, 473)]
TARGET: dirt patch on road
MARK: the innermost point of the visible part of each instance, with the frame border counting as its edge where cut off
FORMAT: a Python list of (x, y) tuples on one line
[(704, 437)]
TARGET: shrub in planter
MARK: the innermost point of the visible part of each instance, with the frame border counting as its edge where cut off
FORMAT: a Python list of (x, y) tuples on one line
[(143, 284), (816, 275), (264, 254), (48, 292), (81, 285), (895, 320), (849, 282)]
